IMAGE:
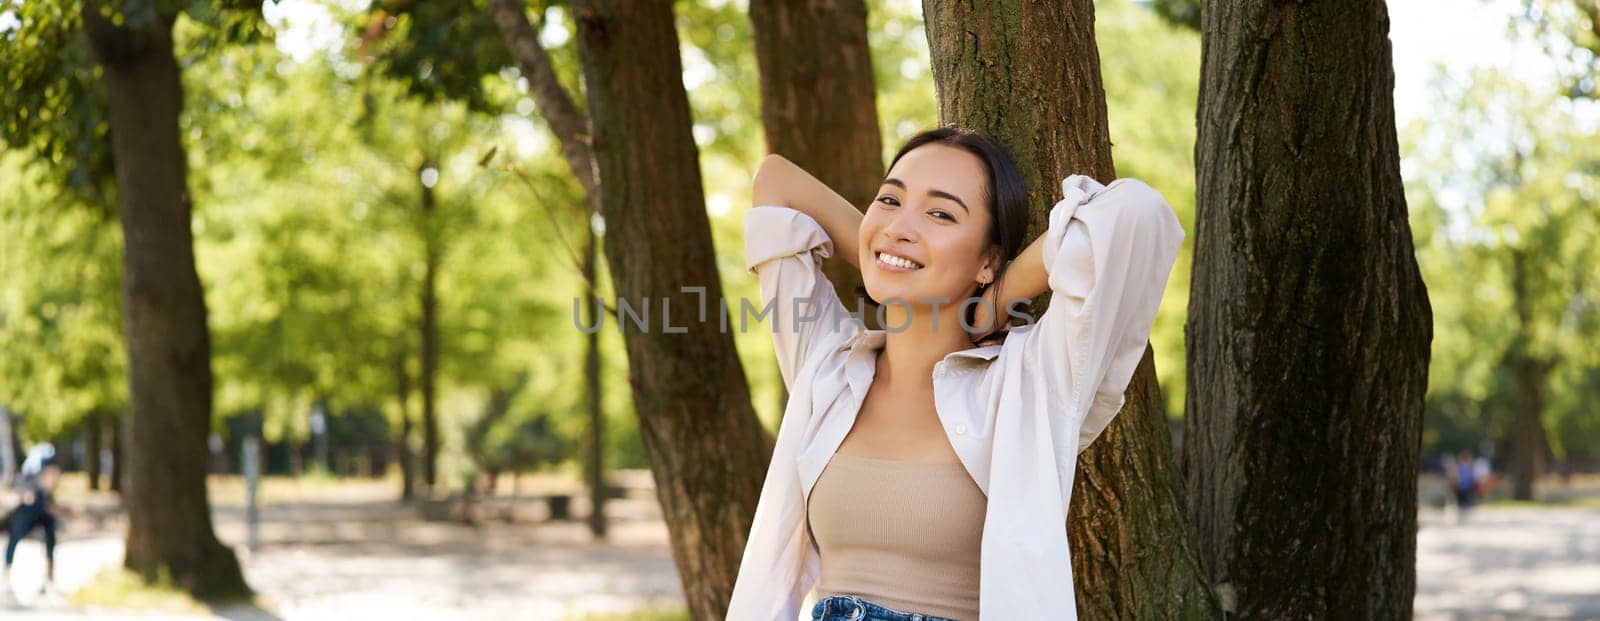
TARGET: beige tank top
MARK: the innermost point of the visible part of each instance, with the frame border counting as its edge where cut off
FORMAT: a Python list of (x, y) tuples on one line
[(904, 534)]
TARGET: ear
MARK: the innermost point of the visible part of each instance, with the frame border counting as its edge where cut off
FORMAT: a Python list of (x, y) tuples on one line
[(990, 266)]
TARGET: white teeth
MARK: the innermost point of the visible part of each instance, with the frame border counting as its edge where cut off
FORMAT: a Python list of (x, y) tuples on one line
[(899, 262)]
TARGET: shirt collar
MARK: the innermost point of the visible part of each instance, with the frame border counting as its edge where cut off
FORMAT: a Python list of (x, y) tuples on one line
[(875, 339)]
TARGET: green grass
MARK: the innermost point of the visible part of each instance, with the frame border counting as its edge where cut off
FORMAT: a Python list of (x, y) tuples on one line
[(1584, 502), (124, 590), (116, 587)]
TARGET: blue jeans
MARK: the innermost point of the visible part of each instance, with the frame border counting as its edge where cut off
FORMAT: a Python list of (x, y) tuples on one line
[(23, 521), (853, 608)]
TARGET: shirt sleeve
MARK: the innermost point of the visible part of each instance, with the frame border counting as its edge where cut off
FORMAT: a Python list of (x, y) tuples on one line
[(784, 248), (776, 571), (1108, 252)]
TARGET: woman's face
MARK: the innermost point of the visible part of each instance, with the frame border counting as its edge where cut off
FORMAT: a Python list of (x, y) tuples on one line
[(926, 235)]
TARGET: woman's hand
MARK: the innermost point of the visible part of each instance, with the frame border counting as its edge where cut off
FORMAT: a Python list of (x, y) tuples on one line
[(780, 182)]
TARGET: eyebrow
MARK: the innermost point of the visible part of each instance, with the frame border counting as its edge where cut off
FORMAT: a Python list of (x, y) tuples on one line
[(938, 193)]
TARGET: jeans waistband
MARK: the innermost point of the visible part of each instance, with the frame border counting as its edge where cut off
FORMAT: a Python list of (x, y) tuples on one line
[(855, 608)]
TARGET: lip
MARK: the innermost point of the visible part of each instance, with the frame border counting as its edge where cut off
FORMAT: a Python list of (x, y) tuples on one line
[(888, 267)]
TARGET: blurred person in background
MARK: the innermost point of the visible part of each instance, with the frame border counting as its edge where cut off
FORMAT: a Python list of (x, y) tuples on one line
[(1464, 481), (35, 509)]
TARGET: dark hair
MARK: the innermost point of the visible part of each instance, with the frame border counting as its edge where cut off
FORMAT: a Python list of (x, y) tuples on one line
[(1006, 195)]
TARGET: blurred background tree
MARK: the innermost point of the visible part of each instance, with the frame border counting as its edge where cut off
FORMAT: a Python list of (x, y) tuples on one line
[(1505, 186)]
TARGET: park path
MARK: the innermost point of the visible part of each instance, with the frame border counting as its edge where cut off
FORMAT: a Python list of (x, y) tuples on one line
[(1509, 562), (356, 555)]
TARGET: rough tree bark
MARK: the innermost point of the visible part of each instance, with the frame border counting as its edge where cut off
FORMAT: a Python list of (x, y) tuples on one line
[(1030, 76), (818, 101), (1309, 325), (169, 348), (701, 436)]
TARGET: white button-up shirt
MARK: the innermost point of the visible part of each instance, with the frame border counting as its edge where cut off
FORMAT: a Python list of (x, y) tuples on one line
[(1017, 414)]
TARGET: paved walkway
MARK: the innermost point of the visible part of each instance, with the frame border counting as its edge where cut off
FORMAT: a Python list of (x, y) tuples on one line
[(355, 555), (1509, 563), (359, 555)]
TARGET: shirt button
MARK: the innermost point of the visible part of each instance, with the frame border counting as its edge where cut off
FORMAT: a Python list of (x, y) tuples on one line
[(961, 429)]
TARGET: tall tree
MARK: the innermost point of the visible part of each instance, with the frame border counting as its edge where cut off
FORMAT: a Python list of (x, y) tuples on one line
[(169, 348), (56, 105), (1041, 96), (571, 128), (594, 466), (1309, 325), (428, 57), (805, 48), (701, 434), (428, 315), (1495, 194)]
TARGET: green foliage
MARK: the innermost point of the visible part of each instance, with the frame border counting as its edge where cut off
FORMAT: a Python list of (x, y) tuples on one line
[(50, 102), (61, 352), (901, 71), (1151, 71), (1569, 32), (1503, 187), (439, 49), (50, 99), (313, 243), (1185, 13)]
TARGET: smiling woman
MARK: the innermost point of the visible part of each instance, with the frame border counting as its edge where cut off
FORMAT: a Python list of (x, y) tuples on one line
[(968, 206), (951, 456), (954, 211)]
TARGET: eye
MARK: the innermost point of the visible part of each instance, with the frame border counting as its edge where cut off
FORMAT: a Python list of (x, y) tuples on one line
[(942, 214), (889, 200)]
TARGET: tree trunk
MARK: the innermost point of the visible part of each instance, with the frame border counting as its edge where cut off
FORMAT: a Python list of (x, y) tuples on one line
[(591, 381), (1309, 325), (807, 47), (701, 436), (1528, 433), (169, 350), (1031, 78), (408, 475), (1529, 373), (118, 445), (92, 427), (571, 129), (429, 327), (11, 453)]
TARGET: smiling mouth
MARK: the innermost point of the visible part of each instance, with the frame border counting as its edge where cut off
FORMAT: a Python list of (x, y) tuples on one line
[(898, 262)]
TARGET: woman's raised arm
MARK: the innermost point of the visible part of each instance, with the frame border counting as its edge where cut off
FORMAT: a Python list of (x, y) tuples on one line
[(782, 183)]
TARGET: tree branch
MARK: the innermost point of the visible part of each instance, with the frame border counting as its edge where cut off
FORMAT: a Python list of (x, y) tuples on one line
[(554, 104)]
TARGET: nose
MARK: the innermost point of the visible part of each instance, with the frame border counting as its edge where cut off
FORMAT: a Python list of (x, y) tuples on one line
[(901, 227)]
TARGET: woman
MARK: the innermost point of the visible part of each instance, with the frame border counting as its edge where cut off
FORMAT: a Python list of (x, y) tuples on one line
[(917, 476)]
